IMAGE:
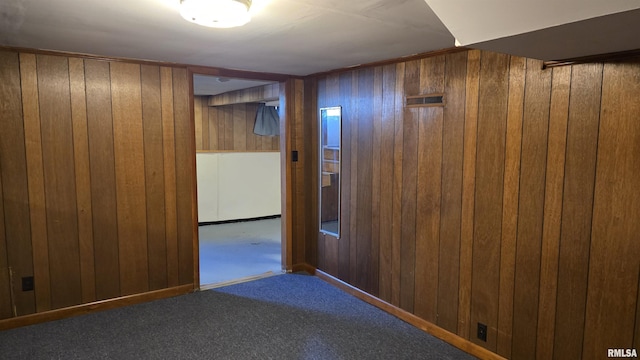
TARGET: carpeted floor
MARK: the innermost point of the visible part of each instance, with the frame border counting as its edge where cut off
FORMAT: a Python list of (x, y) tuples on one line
[(281, 317)]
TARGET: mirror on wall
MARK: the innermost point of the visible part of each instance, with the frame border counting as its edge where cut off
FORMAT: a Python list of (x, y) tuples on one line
[(329, 158)]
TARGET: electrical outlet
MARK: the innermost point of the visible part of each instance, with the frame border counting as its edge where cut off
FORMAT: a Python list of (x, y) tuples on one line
[(482, 332), (27, 283)]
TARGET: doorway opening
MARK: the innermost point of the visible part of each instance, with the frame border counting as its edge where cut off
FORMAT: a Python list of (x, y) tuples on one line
[(238, 167)]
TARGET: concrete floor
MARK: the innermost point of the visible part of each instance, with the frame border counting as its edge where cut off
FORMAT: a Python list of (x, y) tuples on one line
[(233, 251)]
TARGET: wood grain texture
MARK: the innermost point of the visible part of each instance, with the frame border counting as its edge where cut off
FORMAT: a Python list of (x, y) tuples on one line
[(429, 192), (509, 200), (352, 114), (386, 181), (286, 94), (169, 165), (344, 88), (206, 143), (103, 181), (372, 280), (213, 124), (230, 127), (492, 114), (154, 176), (513, 148), (198, 120), (80, 191), (535, 128), (240, 127), (59, 180), (398, 156), (364, 262), (35, 173), (185, 166), (468, 191), (451, 203), (577, 208), (409, 189), (614, 250), (558, 118), (6, 303), (13, 170), (311, 173), (300, 195), (126, 100), (83, 179)]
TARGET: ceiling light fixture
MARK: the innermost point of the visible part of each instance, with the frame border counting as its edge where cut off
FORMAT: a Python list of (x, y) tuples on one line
[(216, 13)]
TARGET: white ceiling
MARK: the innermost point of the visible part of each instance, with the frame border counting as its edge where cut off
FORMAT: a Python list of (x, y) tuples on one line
[(302, 37), (543, 29), (296, 37)]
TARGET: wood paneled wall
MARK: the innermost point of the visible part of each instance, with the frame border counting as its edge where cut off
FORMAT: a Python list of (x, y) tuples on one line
[(229, 127), (516, 205), (96, 178)]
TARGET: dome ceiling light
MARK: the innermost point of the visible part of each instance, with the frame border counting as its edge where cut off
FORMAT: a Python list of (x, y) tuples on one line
[(216, 13)]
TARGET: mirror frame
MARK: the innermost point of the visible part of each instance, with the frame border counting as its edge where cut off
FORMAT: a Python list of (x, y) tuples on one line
[(320, 170)]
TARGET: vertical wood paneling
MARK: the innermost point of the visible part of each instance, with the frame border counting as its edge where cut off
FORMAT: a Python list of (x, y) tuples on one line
[(228, 129), (451, 205), (364, 269), (386, 181), (577, 208), (615, 251), (130, 185), (321, 101), (154, 176), (185, 163), (409, 189), (220, 120), (206, 144), (429, 191), (83, 179), (492, 114), (90, 180), (198, 120), (513, 147), (558, 117), (249, 117), (311, 172), (352, 114), (345, 89), (15, 191), (397, 184), (59, 176), (468, 190), (6, 308), (103, 181), (372, 280), (35, 172), (169, 164), (240, 127), (300, 195), (535, 128), (213, 124), (508, 168)]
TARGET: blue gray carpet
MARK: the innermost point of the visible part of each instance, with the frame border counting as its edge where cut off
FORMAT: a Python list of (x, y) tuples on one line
[(281, 317)]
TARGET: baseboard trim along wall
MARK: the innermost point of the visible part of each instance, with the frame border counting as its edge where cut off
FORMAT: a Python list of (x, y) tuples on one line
[(449, 337), (82, 309)]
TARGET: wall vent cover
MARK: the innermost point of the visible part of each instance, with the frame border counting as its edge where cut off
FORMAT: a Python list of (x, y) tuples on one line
[(425, 100)]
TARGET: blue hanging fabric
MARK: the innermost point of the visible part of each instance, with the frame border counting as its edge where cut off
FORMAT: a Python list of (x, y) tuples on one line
[(267, 121)]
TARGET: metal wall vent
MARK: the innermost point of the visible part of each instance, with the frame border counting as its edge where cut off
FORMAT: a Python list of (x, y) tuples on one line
[(425, 100)]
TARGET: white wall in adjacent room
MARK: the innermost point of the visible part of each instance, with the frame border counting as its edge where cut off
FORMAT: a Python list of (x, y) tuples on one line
[(238, 185)]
